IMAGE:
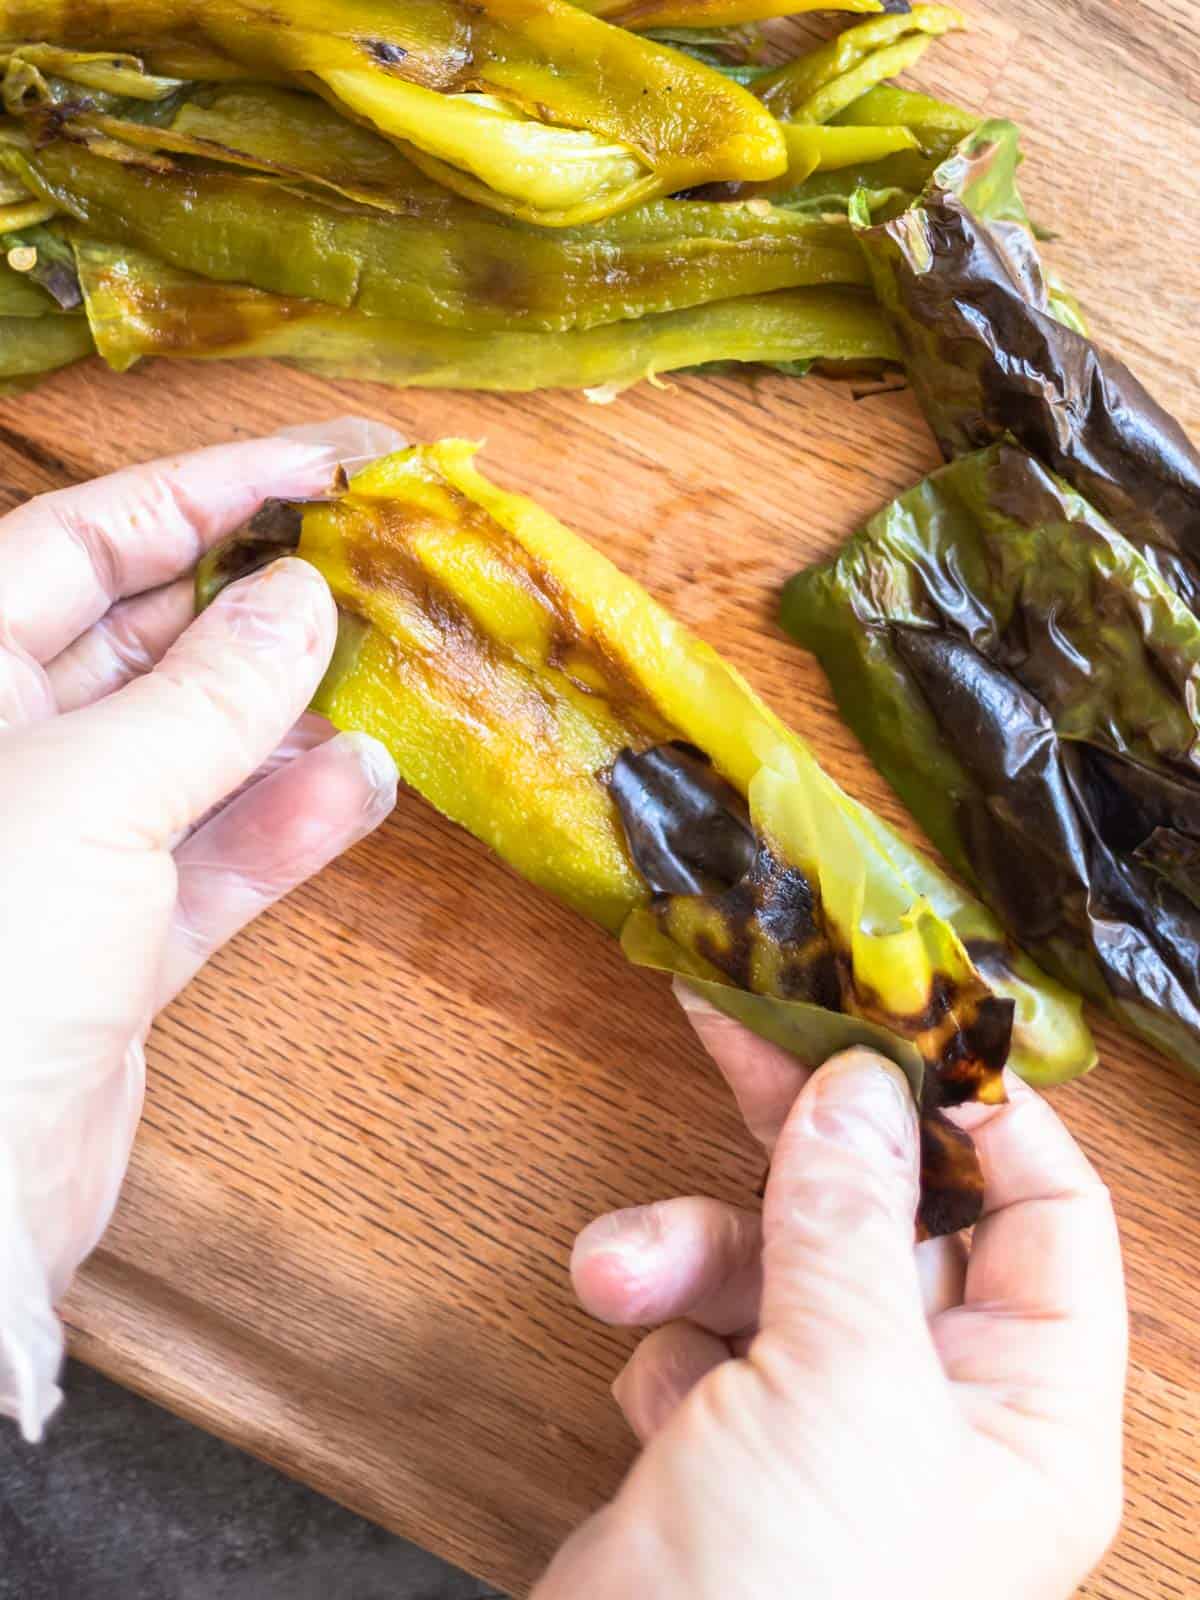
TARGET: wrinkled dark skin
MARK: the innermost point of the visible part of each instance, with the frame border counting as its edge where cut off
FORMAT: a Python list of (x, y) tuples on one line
[(689, 831), (1021, 679), (987, 360), (724, 895)]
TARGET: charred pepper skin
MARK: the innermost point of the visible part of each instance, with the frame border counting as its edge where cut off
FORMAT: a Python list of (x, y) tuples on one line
[(138, 308)]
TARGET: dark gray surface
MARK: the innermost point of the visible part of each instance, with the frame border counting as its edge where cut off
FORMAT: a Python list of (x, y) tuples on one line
[(124, 1502)]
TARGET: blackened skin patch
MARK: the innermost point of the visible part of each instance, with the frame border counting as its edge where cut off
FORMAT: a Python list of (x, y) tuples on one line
[(688, 830), (722, 894), (951, 1177), (385, 52)]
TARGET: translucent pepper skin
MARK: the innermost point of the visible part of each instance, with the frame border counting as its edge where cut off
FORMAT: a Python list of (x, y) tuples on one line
[(1026, 680), (412, 69)]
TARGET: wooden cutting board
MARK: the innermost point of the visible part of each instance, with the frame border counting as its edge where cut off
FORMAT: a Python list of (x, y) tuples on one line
[(375, 1124)]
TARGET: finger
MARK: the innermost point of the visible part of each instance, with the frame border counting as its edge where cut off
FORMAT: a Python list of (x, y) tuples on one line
[(310, 731), (1044, 1301), (701, 1259), (269, 840), (25, 692), (127, 642), (693, 1258), (180, 739), (942, 1273), (66, 557), (662, 1372), (765, 1079), (841, 1280)]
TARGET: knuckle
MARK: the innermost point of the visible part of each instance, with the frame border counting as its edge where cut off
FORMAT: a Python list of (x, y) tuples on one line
[(733, 1236), (99, 549), (130, 654), (721, 1402)]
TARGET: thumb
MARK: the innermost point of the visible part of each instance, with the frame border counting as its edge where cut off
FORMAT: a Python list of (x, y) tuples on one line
[(840, 1275), (177, 741)]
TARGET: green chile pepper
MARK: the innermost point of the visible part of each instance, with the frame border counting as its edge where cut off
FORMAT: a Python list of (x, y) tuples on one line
[(446, 261), (138, 308)]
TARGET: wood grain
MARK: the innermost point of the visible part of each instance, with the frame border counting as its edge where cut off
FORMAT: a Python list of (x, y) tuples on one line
[(375, 1123)]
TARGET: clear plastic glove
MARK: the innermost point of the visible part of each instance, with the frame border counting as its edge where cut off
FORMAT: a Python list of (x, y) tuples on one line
[(827, 1412), (125, 726)]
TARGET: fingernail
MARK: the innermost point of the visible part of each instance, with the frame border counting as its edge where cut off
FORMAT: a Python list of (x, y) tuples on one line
[(282, 607), (377, 766), (861, 1100), (626, 1232), (695, 1005), (349, 442)]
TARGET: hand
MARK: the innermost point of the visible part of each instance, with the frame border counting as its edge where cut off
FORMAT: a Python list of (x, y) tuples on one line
[(124, 726), (827, 1412)]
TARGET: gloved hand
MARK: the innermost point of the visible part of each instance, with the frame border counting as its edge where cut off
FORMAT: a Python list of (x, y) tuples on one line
[(828, 1412), (125, 726)]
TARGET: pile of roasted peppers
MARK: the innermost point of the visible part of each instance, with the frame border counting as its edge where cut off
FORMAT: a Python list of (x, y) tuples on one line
[(500, 195)]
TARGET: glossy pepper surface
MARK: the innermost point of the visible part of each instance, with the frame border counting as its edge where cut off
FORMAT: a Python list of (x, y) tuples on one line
[(544, 701), (642, 15), (819, 84), (994, 350)]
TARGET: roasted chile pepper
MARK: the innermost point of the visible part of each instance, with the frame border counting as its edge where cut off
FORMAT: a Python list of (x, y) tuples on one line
[(542, 700), (448, 262), (532, 107), (38, 333), (838, 117), (818, 85), (1027, 682), (937, 125), (995, 350), (299, 138), (138, 308)]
